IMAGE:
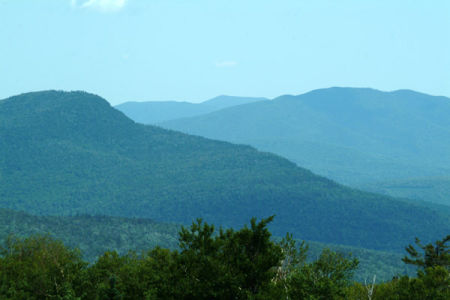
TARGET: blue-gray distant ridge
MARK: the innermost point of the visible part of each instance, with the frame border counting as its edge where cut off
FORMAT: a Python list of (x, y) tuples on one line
[(357, 136), (153, 112)]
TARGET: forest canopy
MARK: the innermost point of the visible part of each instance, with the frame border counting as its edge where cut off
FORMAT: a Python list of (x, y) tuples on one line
[(209, 264)]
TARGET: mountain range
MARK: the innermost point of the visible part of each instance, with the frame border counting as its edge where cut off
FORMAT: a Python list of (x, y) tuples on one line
[(153, 112), (68, 153), (355, 136)]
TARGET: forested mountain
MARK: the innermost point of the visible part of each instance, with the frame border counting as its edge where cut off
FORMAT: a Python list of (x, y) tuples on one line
[(352, 135), (95, 235), (71, 153), (158, 111)]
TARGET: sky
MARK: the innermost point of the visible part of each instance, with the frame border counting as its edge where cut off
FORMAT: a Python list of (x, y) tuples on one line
[(193, 50)]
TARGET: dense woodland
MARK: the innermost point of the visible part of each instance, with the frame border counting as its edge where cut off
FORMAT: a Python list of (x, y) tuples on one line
[(94, 189), (94, 235), (233, 264), (67, 153)]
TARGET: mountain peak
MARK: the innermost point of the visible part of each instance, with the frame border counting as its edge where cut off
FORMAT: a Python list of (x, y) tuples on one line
[(59, 113), (52, 98), (70, 152)]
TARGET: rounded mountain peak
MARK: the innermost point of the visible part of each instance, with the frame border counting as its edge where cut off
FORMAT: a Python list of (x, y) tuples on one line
[(58, 113)]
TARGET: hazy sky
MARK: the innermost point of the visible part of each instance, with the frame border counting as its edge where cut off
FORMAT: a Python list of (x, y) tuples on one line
[(193, 50)]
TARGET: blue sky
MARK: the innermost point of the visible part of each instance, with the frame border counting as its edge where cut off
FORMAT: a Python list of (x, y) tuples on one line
[(192, 50)]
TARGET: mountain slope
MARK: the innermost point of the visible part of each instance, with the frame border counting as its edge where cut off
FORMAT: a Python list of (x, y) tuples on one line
[(93, 235), (159, 111), (69, 153), (354, 136)]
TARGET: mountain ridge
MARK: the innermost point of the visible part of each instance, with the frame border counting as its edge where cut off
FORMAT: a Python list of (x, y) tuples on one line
[(86, 157), (339, 132), (152, 112)]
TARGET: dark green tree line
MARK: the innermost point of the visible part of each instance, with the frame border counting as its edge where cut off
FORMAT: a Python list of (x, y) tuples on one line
[(209, 264)]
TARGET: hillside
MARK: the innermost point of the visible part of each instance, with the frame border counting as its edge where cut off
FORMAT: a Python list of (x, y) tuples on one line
[(354, 136), (94, 235), (71, 153), (158, 111)]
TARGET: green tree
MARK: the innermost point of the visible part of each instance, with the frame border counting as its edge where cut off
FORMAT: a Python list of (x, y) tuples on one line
[(160, 275), (118, 276), (40, 267), (433, 276), (200, 261), (326, 278), (252, 256), (112, 293), (432, 281), (230, 264), (433, 255)]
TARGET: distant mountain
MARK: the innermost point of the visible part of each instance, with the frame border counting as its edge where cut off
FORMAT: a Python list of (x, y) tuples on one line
[(94, 235), (432, 189), (229, 101), (352, 135), (71, 153), (159, 111)]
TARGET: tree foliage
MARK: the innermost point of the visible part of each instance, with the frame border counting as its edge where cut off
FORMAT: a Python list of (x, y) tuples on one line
[(432, 256), (40, 268), (209, 264)]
